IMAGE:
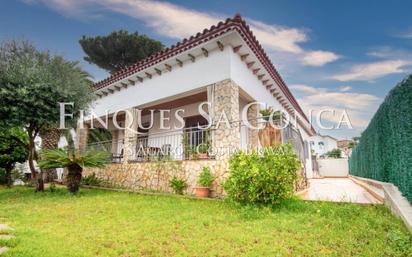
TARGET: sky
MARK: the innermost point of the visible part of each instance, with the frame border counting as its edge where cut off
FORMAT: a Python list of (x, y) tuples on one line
[(334, 55)]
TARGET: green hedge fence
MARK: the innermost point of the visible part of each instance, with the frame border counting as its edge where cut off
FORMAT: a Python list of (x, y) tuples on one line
[(385, 149)]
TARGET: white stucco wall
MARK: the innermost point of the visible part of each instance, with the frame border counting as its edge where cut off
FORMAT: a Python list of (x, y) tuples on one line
[(333, 167), (204, 71), (245, 78)]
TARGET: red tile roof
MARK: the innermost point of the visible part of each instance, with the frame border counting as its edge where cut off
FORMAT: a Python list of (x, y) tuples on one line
[(236, 23)]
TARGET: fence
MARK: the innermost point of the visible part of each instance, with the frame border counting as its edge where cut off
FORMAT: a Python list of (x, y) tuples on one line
[(385, 149)]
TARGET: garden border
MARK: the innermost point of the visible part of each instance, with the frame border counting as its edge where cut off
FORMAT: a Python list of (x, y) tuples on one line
[(152, 193), (393, 198)]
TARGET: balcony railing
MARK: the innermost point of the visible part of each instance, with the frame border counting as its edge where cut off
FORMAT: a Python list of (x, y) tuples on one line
[(194, 143), (186, 144)]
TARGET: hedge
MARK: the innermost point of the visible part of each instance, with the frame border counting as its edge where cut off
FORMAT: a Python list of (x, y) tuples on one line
[(385, 149)]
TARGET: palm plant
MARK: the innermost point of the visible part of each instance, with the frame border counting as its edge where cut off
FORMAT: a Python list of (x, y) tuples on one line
[(74, 161)]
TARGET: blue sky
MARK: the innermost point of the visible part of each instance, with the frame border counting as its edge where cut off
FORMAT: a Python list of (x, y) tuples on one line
[(341, 55)]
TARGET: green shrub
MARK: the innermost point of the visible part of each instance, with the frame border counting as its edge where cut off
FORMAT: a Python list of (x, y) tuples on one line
[(335, 153), (203, 148), (265, 177), (178, 185), (52, 187), (91, 180), (205, 177)]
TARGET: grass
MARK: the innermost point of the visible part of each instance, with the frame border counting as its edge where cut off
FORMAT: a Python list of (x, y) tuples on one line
[(103, 223)]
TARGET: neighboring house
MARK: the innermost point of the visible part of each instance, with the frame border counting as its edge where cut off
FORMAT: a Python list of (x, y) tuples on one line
[(224, 66), (321, 144), (345, 147)]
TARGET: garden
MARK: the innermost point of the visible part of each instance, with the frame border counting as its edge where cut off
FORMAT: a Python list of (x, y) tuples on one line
[(104, 223)]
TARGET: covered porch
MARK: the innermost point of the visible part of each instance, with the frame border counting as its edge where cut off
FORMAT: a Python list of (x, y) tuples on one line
[(168, 129), (162, 130)]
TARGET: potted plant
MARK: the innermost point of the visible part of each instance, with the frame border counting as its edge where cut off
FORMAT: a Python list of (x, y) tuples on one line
[(178, 185), (202, 151), (266, 113), (204, 182), (74, 161), (192, 153)]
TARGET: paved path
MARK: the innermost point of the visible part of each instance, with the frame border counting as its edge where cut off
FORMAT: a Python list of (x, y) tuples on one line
[(338, 190)]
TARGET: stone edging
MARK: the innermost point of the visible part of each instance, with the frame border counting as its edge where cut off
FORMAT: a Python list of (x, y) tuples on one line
[(393, 199), (366, 185)]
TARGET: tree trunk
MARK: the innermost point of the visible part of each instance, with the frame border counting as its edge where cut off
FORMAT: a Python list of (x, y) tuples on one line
[(49, 140), (36, 178), (8, 175), (74, 177)]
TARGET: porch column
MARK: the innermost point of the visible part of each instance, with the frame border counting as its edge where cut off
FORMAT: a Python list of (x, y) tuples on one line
[(226, 100), (130, 136), (82, 135), (252, 116)]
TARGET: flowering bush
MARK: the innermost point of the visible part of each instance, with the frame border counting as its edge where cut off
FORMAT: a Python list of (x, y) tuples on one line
[(265, 177)]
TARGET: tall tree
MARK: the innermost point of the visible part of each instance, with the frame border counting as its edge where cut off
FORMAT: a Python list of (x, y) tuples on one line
[(118, 49), (13, 149), (32, 84)]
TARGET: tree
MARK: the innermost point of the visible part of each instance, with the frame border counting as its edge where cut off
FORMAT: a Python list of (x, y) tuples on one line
[(74, 161), (355, 141), (118, 49), (335, 153), (13, 149), (32, 84), (352, 144)]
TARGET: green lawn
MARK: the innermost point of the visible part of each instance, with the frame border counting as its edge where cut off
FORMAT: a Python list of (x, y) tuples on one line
[(102, 223)]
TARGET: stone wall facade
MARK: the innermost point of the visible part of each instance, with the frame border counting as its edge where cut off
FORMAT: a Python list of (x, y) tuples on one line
[(155, 176), (252, 117), (226, 108)]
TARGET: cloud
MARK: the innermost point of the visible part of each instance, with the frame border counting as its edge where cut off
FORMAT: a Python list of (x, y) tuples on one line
[(341, 99), (305, 88), (345, 88), (179, 22), (166, 19), (390, 53), (360, 107), (278, 37), (73, 8), (319, 58), (371, 71), (406, 34)]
